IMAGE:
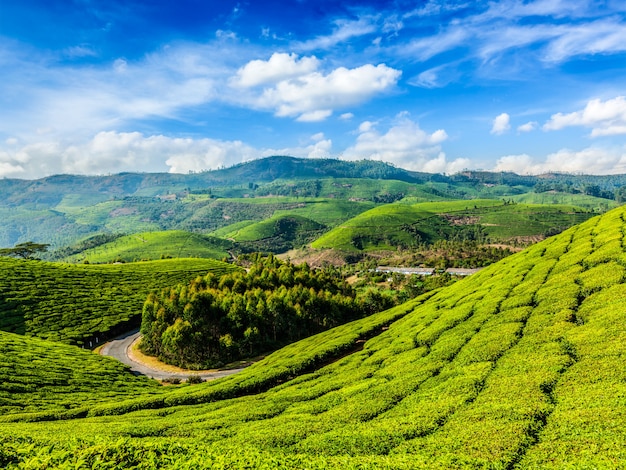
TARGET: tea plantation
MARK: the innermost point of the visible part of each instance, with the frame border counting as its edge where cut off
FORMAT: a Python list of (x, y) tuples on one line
[(153, 246), (85, 304), (519, 366), (409, 225)]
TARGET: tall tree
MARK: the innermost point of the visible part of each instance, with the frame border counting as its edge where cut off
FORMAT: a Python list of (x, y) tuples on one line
[(25, 250)]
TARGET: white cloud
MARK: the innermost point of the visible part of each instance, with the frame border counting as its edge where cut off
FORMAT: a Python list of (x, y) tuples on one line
[(80, 51), (280, 66), (320, 148), (498, 32), (404, 144), (603, 117), (427, 79), (8, 169), (112, 152), (347, 116), (599, 37), (342, 32), (592, 160), (313, 95), (428, 47), (226, 35), (315, 116), (527, 127), (501, 124), (77, 100)]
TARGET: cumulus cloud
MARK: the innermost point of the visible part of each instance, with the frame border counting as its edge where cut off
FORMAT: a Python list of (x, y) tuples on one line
[(8, 169), (603, 117), (501, 124), (111, 152), (404, 144), (527, 127), (592, 160), (299, 89), (320, 147), (280, 66)]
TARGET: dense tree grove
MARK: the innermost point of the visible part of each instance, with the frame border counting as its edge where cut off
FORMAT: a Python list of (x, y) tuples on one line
[(215, 320)]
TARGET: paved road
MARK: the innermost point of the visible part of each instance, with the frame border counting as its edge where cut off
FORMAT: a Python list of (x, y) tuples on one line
[(119, 349)]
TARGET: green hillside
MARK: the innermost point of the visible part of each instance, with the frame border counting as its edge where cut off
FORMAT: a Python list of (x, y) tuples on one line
[(155, 245), (409, 225), (354, 188), (598, 204), (84, 304), (277, 234), (518, 366), (39, 376), (63, 209)]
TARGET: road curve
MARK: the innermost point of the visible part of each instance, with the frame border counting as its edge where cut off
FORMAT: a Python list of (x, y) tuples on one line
[(120, 347)]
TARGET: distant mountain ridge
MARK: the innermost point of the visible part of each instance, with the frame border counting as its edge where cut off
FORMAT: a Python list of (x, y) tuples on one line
[(50, 190), (61, 210)]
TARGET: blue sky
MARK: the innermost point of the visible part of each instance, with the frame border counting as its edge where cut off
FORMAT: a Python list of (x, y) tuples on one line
[(95, 87)]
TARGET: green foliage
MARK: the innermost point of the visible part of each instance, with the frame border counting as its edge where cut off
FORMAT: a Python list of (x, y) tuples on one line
[(64, 209), (578, 200), (276, 234), (213, 321), (40, 378), (420, 225), (517, 366), (24, 250), (85, 304), (152, 246)]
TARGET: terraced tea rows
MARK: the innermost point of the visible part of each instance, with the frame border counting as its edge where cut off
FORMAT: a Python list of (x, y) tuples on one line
[(519, 366), (154, 246), (83, 304), (409, 225), (58, 380)]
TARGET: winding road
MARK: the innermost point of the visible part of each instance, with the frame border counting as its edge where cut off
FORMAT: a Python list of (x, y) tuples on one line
[(121, 347)]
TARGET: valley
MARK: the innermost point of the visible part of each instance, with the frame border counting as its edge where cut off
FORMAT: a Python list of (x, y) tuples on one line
[(518, 365)]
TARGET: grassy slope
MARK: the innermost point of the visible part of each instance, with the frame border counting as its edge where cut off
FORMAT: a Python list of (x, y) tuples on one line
[(580, 200), (324, 211), (77, 303), (154, 245), (270, 228), (516, 220), (37, 375), (382, 227), (518, 366)]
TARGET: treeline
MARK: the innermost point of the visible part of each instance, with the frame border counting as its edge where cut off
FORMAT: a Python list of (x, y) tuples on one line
[(216, 320)]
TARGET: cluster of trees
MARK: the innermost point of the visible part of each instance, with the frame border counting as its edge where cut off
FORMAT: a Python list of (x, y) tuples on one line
[(612, 188), (216, 320), (24, 250)]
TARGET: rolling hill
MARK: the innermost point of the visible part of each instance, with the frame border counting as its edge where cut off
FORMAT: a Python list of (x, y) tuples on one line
[(86, 304), (43, 376), (517, 366), (409, 225), (61, 210), (154, 245), (276, 234)]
